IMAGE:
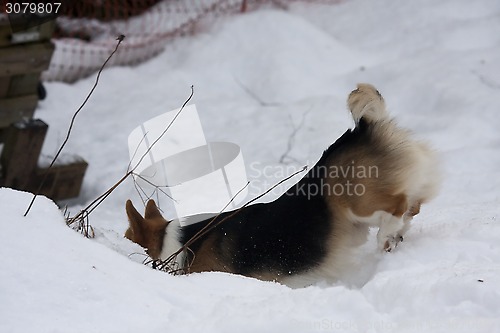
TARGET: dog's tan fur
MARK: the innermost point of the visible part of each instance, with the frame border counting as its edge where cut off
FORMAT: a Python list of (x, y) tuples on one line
[(407, 177), (147, 231), (407, 174), (206, 260)]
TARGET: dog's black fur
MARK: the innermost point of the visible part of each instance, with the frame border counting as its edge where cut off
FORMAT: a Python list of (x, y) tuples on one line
[(305, 234), (265, 238)]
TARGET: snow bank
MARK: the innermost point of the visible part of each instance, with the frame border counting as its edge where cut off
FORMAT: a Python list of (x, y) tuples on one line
[(54, 280)]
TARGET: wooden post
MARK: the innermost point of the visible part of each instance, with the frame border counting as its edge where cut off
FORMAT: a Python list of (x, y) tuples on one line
[(22, 147), (16, 108)]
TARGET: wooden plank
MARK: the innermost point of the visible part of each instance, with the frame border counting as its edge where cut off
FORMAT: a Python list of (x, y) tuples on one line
[(4, 86), (16, 108), (40, 33), (5, 32), (62, 181), (25, 58), (46, 30), (19, 85), (24, 84), (2, 181), (22, 147)]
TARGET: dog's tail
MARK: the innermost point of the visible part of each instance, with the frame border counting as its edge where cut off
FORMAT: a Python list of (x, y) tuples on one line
[(367, 103)]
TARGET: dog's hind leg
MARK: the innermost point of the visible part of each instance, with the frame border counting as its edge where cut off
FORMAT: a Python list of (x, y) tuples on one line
[(390, 218), (390, 231), (408, 217), (391, 227), (392, 224)]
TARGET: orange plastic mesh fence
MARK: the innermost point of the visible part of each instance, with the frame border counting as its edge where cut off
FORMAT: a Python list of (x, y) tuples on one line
[(86, 30)]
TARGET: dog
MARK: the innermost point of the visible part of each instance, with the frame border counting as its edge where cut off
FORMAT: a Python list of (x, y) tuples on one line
[(374, 175)]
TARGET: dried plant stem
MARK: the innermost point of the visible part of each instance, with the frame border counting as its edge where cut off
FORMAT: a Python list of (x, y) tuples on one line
[(254, 96), (291, 138), (165, 130), (96, 202), (214, 223), (93, 205), (119, 39)]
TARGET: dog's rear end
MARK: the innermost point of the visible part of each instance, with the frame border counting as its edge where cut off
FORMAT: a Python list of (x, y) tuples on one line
[(395, 174), (375, 175)]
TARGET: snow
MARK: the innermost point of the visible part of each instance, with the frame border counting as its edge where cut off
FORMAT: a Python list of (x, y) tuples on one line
[(258, 78)]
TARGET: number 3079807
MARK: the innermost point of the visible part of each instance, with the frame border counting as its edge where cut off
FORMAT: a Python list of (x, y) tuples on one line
[(32, 8)]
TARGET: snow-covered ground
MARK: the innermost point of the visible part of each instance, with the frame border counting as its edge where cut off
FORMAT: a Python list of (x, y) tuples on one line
[(258, 78)]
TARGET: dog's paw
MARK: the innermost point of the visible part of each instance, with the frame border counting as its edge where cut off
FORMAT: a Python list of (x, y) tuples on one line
[(392, 242)]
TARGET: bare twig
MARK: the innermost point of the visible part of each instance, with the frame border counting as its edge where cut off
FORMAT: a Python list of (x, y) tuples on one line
[(136, 150), (82, 225), (165, 130), (208, 225), (214, 222), (157, 187), (254, 95), (119, 39), (94, 204), (487, 81), (291, 138)]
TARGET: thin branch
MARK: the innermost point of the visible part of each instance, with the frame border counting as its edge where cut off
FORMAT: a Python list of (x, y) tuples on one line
[(214, 223), (137, 150), (95, 203), (254, 95), (44, 179), (201, 232), (157, 187), (291, 138), (487, 81), (165, 131)]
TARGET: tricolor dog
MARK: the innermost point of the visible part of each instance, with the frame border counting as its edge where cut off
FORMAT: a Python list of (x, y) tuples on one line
[(305, 234)]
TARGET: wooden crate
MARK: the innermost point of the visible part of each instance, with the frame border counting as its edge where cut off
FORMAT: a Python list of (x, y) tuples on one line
[(19, 167), (61, 181), (22, 147)]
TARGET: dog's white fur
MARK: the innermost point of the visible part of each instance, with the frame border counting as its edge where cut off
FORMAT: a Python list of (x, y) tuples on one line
[(171, 244), (409, 176)]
